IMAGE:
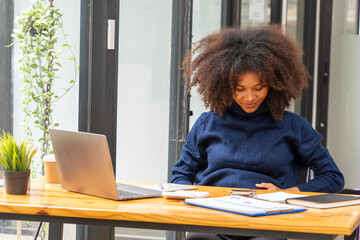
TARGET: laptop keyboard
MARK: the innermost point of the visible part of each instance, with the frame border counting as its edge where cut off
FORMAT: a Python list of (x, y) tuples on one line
[(123, 193)]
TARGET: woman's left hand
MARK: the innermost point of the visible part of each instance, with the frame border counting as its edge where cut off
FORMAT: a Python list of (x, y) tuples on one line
[(271, 186), (268, 186)]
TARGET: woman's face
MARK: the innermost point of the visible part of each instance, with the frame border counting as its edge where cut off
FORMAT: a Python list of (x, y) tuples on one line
[(249, 93)]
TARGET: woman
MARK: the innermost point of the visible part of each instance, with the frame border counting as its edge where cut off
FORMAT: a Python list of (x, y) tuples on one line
[(247, 78)]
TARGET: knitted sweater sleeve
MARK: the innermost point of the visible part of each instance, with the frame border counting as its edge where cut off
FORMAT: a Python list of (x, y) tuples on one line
[(193, 156), (327, 176)]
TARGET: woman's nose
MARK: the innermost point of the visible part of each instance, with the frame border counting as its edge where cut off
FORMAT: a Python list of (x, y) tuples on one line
[(249, 96)]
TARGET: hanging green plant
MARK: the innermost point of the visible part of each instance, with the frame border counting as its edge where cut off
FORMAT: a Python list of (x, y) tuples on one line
[(37, 33)]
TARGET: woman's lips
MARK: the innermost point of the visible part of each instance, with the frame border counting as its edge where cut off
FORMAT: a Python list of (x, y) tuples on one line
[(250, 105)]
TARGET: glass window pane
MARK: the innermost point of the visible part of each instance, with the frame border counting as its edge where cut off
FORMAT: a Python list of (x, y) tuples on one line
[(295, 29), (206, 20), (255, 12), (351, 19), (343, 133), (143, 90), (65, 110), (143, 97)]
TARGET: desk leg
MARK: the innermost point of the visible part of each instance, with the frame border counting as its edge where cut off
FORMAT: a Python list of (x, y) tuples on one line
[(56, 231), (90, 232), (100, 233), (170, 235), (354, 235)]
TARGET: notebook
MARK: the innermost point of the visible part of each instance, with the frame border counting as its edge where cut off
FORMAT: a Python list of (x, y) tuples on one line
[(325, 200), (84, 165), (244, 205), (277, 196)]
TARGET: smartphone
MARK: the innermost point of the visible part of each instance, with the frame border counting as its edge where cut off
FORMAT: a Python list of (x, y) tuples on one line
[(245, 193)]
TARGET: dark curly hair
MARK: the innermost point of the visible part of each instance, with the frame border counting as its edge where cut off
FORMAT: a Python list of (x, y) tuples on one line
[(216, 59)]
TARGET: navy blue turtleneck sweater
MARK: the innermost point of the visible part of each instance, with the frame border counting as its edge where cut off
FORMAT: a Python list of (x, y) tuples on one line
[(241, 149)]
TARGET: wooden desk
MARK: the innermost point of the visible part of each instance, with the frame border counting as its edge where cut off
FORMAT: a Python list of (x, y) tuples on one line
[(55, 205)]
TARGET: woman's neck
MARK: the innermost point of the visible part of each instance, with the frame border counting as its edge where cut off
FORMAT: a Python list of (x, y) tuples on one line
[(263, 109)]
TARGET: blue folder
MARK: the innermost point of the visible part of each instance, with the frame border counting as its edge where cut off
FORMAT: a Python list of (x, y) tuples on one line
[(245, 206)]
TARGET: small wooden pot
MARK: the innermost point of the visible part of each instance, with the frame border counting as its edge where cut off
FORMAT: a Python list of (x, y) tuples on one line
[(16, 183)]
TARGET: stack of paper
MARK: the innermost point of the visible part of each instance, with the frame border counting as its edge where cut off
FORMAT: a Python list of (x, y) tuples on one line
[(169, 187), (277, 196)]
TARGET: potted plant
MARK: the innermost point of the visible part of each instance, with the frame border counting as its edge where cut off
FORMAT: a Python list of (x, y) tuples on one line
[(15, 159)]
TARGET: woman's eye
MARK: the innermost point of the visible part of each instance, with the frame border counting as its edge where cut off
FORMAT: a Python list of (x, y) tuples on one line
[(259, 88), (239, 90)]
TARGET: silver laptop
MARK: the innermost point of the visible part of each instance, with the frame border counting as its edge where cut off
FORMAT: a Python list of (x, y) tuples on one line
[(84, 165)]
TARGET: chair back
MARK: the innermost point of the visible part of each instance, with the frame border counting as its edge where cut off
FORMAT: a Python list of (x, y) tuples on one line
[(304, 174)]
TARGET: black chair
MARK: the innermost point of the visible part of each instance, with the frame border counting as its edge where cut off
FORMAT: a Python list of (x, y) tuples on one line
[(304, 174)]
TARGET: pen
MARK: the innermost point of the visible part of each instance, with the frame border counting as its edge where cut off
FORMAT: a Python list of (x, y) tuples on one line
[(244, 193), (161, 187), (278, 210)]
